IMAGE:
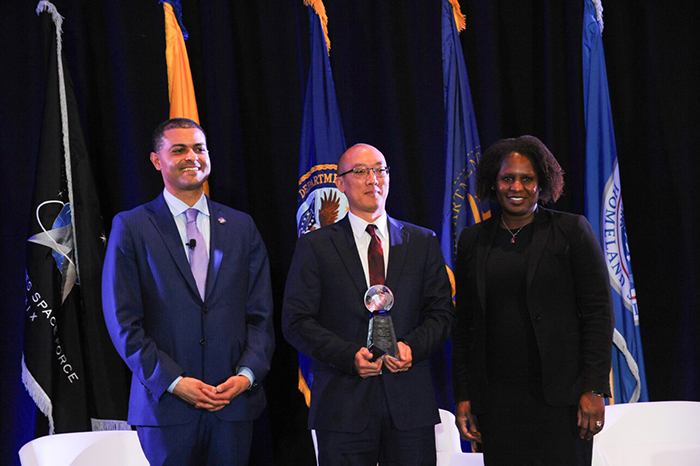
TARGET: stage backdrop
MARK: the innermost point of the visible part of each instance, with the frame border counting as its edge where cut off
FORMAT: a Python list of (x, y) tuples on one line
[(249, 62)]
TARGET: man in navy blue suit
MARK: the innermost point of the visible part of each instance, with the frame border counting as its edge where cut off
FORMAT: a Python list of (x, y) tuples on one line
[(367, 410), (188, 304)]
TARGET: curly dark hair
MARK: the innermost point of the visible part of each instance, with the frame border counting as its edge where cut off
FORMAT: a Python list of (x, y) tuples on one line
[(550, 176), (157, 139)]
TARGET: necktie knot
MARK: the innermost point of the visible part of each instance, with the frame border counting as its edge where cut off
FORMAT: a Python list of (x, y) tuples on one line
[(372, 230), (191, 215)]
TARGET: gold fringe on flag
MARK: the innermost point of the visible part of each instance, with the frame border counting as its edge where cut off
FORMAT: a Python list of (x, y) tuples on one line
[(460, 19), (320, 10)]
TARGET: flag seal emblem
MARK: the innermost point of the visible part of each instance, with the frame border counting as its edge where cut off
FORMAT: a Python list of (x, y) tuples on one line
[(616, 247), (319, 200)]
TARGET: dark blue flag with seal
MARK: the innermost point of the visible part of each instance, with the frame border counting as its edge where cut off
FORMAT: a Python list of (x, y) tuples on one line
[(604, 210), (461, 208), (69, 366), (319, 202)]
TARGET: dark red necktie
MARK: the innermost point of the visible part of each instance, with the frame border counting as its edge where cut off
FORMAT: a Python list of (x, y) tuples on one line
[(375, 258)]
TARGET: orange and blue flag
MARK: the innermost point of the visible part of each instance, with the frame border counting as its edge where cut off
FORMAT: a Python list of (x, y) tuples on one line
[(183, 103)]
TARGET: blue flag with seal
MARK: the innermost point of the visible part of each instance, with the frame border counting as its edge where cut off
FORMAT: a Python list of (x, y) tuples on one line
[(319, 202), (461, 208), (604, 210)]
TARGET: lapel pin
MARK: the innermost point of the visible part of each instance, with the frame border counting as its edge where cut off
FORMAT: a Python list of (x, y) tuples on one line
[(222, 220)]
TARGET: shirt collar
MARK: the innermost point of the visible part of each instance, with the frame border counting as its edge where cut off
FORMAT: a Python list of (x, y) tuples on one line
[(177, 207), (359, 226)]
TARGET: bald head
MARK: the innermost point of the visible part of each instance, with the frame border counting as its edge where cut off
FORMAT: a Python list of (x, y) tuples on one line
[(357, 150)]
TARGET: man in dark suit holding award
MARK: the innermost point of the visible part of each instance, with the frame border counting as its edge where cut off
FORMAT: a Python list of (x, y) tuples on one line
[(188, 304), (368, 410)]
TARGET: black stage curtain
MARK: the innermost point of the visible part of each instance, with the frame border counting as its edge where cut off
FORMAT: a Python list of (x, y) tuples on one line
[(249, 62)]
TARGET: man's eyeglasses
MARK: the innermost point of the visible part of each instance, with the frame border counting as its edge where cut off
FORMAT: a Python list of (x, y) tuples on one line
[(363, 172)]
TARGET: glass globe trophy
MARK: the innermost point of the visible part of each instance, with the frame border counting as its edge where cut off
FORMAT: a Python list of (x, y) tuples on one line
[(381, 338)]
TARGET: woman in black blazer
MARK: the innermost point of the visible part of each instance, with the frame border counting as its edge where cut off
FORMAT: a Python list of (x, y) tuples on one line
[(532, 347)]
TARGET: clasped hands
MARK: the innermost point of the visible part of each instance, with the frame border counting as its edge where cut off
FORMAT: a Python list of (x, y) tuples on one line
[(209, 397), (366, 368)]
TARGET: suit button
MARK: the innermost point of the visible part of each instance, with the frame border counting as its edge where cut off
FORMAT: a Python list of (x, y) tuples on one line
[(201, 342), (205, 309), (536, 318)]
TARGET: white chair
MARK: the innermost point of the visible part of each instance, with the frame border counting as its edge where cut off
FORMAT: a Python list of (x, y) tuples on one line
[(649, 434), (448, 445), (106, 448)]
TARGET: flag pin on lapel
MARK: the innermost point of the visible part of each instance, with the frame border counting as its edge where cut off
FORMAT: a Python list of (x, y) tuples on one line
[(222, 220)]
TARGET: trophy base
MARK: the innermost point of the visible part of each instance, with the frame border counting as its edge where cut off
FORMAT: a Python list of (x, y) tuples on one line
[(376, 352)]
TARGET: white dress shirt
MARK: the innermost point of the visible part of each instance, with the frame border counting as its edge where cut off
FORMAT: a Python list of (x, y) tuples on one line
[(178, 208), (362, 240)]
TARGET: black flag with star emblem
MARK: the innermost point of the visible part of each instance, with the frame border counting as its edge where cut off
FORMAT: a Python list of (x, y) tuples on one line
[(69, 365)]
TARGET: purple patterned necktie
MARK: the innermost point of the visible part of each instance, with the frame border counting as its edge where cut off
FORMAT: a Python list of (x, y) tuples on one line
[(199, 262), (375, 257)]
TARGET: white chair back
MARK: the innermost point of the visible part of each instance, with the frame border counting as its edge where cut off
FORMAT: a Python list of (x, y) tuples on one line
[(447, 434), (448, 444), (106, 448), (649, 434)]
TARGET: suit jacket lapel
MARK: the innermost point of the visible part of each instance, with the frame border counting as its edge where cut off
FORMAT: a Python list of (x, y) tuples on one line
[(216, 243), (164, 223), (542, 228), (397, 254), (483, 249), (344, 242)]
